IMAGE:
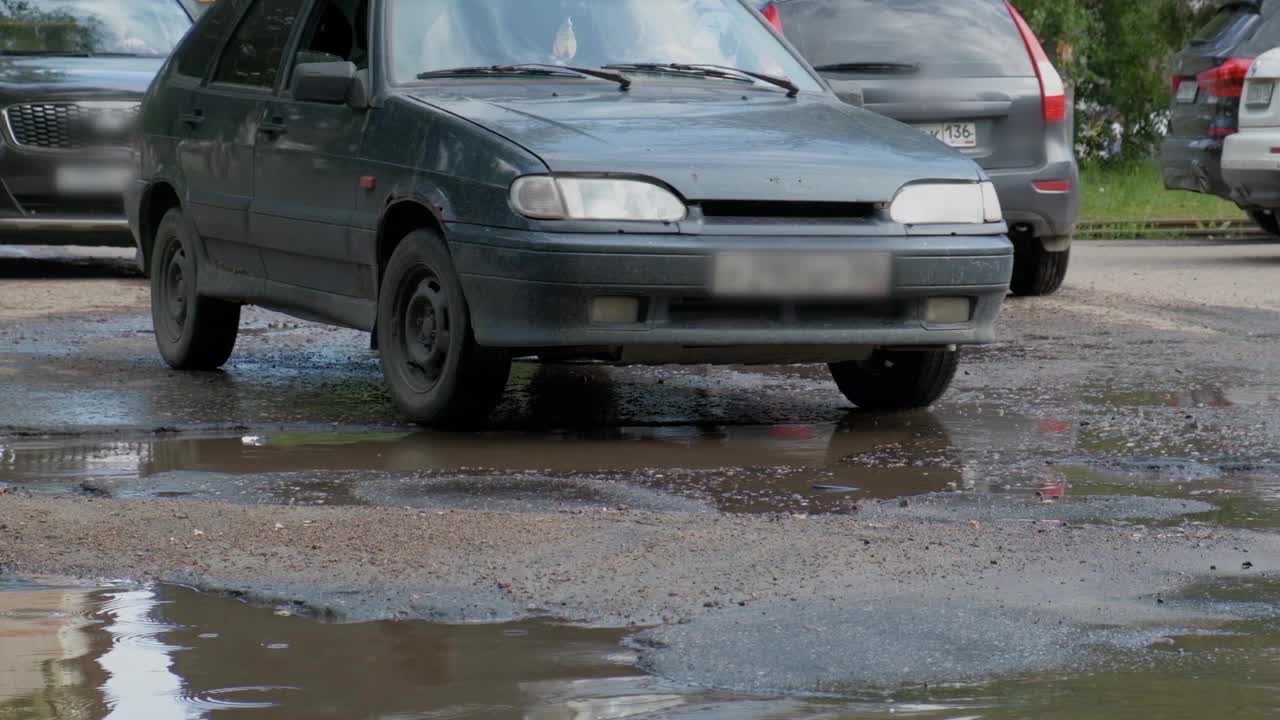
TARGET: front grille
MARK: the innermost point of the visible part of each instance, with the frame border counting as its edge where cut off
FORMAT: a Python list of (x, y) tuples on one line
[(72, 125), (703, 312), (757, 210)]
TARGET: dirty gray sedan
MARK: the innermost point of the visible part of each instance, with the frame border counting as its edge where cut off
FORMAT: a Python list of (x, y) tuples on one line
[(623, 181)]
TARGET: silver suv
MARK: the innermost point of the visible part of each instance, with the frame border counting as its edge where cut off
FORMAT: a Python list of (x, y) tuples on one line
[(972, 74)]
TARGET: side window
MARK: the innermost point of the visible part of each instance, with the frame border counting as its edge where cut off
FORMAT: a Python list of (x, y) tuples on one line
[(337, 31), (201, 46), (254, 52)]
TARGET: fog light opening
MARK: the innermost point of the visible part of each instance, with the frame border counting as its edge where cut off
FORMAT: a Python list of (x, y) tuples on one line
[(948, 311), (615, 310)]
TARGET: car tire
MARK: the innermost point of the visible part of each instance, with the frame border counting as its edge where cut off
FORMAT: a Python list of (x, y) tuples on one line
[(436, 372), (1267, 220), (897, 380), (1037, 271), (192, 332)]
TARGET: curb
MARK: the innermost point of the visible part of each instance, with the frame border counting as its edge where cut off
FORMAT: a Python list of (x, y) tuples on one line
[(1171, 230)]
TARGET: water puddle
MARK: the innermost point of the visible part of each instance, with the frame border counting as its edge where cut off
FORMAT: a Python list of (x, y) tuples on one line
[(739, 469), (164, 652), (808, 468)]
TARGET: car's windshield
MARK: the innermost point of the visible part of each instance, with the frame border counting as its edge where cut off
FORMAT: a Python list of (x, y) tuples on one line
[(429, 35), (148, 28)]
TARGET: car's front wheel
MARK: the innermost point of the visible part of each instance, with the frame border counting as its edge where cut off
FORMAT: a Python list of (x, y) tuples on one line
[(1037, 271), (891, 380), (192, 332), (436, 372)]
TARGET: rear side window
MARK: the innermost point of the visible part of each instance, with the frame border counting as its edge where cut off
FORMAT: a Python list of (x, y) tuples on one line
[(1228, 20), (956, 38), (1266, 37), (201, 46), (254, 53)]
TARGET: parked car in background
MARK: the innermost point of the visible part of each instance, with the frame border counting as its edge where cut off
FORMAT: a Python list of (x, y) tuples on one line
[(72, 75), (633, 181), (1250, 162), (972, 74), (1207, 83)]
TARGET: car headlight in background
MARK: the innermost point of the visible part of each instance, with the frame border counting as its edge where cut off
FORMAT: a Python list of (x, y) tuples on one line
[(563, 198), (946, 204)]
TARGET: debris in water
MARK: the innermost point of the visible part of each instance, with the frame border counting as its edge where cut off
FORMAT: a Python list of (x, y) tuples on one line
[(835, 488)]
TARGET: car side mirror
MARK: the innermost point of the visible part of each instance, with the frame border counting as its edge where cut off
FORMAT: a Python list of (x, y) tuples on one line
[(325, 82)]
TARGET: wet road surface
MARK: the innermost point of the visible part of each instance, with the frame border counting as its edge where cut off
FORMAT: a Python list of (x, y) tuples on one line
[(1114, 456)]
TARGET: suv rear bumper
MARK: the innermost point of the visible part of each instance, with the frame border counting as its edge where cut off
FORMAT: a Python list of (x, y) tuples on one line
[(1251, 170), (536, 290), (1049, 214), (1193, 164)]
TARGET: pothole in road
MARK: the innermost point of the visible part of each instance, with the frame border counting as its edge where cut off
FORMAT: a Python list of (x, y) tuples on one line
[(866, 465)]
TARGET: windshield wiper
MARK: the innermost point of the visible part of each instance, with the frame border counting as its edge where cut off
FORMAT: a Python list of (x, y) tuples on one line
[(533, 69), (710, 70), (879, 68)]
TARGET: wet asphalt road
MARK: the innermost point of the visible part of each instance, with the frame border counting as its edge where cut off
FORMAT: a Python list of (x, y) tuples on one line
[(1128, 426)]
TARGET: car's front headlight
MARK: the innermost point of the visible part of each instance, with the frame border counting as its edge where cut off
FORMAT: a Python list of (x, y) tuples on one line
[(544, 197), (946, 204)]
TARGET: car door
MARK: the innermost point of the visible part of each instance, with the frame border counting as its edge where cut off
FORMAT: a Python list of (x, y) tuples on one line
[(232, 106), (214, 171), (308, 171)]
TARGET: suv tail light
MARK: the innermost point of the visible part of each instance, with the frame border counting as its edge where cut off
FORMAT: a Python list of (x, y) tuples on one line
[(1053, 93), (1226, 80), (770, 12)]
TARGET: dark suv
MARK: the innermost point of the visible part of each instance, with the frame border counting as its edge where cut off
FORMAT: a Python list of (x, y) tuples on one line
[(972, 74), (1208, 78), (72, 75)]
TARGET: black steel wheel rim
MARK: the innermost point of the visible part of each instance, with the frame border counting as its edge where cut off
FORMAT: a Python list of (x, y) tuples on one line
[(177, 290), (424, 329)]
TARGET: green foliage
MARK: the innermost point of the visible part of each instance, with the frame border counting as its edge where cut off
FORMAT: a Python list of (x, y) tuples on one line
[(1115, 53)]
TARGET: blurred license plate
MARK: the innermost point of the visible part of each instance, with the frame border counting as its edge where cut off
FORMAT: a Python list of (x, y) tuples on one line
[(1187, 91), (959, 135), (801, 275), (1260, 92), (79, 180)]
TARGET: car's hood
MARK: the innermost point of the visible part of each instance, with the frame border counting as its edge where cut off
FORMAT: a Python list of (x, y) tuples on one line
[(716, 144), (75, 78)]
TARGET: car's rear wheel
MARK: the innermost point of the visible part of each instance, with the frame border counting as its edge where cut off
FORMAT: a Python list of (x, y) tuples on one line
[(1267, 220), (436, 372), (897, 379), (1037, 271), (192, 332)]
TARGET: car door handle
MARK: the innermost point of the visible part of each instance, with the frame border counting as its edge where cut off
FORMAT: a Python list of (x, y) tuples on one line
[(193, 119), (274, 126)]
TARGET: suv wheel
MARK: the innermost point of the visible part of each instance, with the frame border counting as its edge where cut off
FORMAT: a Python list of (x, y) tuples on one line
[(1037, 271), (437, 373), (192, 332), (1267, 220), (897, 379)]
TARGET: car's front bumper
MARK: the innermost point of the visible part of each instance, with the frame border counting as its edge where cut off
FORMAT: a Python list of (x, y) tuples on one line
[(34, 210), (1250, 168), (535, 290), (1193, 164)]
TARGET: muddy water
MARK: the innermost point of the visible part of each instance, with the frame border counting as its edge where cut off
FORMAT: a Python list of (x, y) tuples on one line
[(821, 467), (165, 652), (751, 469)]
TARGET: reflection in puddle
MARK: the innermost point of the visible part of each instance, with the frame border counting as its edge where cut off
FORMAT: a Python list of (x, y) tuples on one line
[(163, 652), (742, 469)]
